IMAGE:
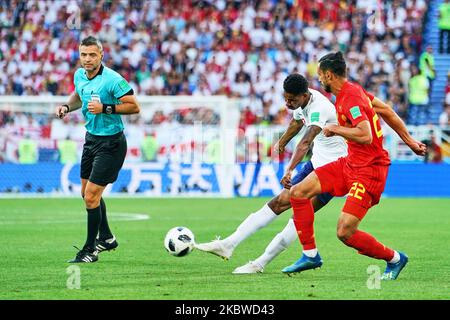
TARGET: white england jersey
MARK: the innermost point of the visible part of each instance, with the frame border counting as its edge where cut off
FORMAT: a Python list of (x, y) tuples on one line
[(319, 112)]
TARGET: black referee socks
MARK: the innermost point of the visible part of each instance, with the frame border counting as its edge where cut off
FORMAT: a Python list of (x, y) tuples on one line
[(94, 219), (104, 231)]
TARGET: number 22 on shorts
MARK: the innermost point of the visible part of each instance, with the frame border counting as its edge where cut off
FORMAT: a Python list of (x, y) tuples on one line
[(357, 189)]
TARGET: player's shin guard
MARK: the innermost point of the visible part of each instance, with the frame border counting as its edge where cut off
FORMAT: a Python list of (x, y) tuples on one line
[(367, 245), (304, 222)]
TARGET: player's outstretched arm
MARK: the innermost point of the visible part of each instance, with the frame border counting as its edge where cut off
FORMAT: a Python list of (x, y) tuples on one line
[(300, 150), (396, 123), (73, 104), (293, 129)]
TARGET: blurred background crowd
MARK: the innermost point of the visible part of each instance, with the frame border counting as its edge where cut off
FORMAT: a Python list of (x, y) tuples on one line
[(242, 49)]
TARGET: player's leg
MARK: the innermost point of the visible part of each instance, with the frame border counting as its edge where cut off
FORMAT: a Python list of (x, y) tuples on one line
[(326, 179), (92, 195), (355, 208), (259, 219), (106, 240), (104, 232), (255, 221), (94, 216), (280, 242), (301, 195), (87, 254), (365, 192), (100, 163), (110, 161), (366, 244), (103, 228), (83, 187)]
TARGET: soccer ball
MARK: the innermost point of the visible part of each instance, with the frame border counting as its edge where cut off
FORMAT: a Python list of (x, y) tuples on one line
[(179, 241)]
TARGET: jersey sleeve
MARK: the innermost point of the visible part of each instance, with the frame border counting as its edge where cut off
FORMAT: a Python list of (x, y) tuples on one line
[(119, 86), (318, 116), (353, 109), (369, 95)]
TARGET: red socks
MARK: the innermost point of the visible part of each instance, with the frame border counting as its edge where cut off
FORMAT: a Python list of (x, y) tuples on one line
[(369, 246), (365, 243), (304, 222)]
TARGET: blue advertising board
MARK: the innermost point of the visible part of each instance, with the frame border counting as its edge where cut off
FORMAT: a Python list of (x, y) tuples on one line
[(202, 179)]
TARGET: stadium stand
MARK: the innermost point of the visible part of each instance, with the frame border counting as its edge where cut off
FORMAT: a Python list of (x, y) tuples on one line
[(442, 61), (242, 49), (202, 47)]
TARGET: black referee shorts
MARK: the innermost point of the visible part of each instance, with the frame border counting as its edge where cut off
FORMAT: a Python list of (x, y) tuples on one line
[(103, 157)]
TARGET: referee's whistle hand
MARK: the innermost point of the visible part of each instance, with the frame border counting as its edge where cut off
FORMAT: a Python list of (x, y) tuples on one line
[(95, 107)]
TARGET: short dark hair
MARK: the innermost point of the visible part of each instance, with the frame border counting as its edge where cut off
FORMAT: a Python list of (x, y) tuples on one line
[(295, 84), (334, 62), (91, 41)]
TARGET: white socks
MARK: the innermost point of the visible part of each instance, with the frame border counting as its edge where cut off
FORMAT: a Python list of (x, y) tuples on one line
[(253, 223), (396, 257), (310, 253), (281, 241)]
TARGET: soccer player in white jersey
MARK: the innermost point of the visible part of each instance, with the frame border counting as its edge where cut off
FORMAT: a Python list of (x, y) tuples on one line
[(313, 110)]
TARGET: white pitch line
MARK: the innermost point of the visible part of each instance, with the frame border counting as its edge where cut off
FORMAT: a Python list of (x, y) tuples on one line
[(115, 216)]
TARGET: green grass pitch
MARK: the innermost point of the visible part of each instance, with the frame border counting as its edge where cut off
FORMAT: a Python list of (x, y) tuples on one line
[(36, 238)]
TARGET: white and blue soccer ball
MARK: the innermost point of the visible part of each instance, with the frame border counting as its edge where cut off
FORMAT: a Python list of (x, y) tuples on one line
[(179, 241)]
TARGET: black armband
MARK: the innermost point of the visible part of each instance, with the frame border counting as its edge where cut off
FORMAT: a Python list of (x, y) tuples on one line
[(67, 106), (109, 108)]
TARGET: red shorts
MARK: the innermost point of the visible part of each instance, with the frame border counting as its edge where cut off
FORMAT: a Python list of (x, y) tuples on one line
[(364, 185)]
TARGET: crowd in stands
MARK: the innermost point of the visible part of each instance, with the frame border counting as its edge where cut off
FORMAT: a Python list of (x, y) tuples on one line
[(444, 119), (241, 48), (238, 48)]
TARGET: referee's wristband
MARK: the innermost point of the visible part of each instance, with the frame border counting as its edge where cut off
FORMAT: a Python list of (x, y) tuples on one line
[(109, 108), (67, 106)]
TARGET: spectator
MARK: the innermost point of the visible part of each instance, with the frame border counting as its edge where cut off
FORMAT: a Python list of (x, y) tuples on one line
[(399, 107), (426, 65), (444, 120), (28, 151), (67, 149), (444, 27), (418, 97), (434, 151), (214, 151), (149, 148), (211, 47), (447, 91)]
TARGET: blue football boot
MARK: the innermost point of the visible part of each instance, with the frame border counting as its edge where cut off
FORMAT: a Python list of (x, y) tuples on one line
[(304, 263), (393, 269)]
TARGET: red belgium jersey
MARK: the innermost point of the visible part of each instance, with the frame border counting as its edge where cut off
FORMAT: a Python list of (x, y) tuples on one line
[(353, 105)]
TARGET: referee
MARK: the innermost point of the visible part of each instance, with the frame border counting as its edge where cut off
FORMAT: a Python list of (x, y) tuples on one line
[(103, 95)]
